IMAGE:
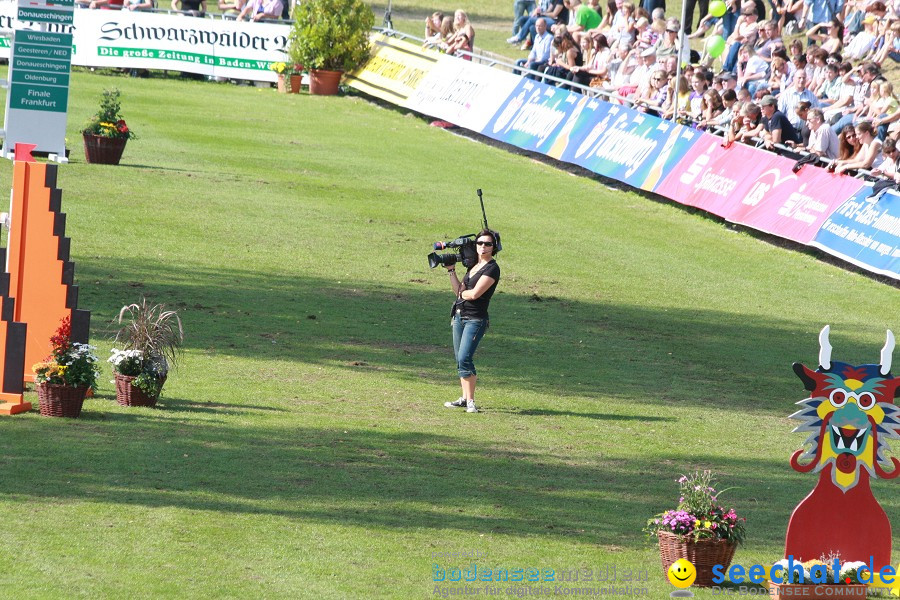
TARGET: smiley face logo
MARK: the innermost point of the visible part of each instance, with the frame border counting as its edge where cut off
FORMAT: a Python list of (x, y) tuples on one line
[(682, 573)]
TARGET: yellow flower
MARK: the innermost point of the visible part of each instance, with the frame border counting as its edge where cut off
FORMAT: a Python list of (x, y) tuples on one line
[(696, 522), (62, 371), (707, 524), (38, 367)]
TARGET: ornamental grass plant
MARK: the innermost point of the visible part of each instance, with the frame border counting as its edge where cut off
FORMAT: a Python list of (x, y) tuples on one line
[(151, 337)]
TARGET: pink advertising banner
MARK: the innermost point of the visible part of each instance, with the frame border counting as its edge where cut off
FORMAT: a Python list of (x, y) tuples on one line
[(715, 178), (793, 206)]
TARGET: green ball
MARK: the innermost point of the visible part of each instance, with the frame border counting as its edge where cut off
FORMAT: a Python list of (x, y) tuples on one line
[(717, 8), (715, 46)]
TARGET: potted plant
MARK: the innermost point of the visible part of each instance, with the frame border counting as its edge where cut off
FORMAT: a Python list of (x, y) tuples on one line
[(699, 529), (64, 378), (106, 133), (151, 338), (329, 37), (815, 579), (290, 76)]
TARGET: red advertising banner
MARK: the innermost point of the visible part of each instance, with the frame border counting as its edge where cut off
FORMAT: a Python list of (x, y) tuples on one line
[(715, 178), (793, 206)]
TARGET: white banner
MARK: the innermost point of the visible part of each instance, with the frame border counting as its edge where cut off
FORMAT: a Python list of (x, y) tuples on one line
[(140, 40), (461, 92)]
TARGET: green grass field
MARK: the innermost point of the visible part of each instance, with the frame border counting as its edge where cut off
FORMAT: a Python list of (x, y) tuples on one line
[(302, 449)]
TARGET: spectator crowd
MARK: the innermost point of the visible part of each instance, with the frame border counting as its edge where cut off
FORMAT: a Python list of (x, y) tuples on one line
[(801, 77)]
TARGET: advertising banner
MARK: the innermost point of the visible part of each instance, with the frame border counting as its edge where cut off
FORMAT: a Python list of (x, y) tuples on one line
[(461, 92), (534, 114), (715, 178), (627, 145), (793, 206), (865, 231), (139, 40), (395, 69)]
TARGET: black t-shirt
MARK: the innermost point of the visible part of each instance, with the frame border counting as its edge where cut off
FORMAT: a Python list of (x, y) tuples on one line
[(478, 308), (779, 121), (563, 16)]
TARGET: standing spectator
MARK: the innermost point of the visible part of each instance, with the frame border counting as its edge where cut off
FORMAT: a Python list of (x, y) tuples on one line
[(745, 32), (689, 13), (823, 141), (777, 127), (540, 52), (821, 11), (463, 37), (793, 96), (831, 42), (433, 24), (257, 10)]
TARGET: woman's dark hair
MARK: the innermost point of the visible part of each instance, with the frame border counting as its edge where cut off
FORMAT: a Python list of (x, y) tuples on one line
[(865, 126), (837, 23), (493, 237), (846, 149), (611, 8), (601, 39)]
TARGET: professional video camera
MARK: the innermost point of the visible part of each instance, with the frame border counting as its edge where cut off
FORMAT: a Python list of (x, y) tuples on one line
[(464, 246)]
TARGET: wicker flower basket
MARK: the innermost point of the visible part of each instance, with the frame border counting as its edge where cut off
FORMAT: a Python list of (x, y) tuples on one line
[(60, 400), (129, 395), (704, 554), (103, 150)]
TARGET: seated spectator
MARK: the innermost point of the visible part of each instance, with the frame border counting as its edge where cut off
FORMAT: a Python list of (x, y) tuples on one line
[(750, 124), (780, 78), (104, 4), (790, 98), (848, 143), (680, 98), (587, 17), (823, 141), (833, 40), (829, 89), (567, 56), (751, 70), (623, 63), (622, 22), (778, 129), (888, 166), (891, 47), (853, 109), (869, 151), (539, 57), (551, 11), (768, 40), (231, 8), (463, 38), (653, 98), (863, 41), (595, 70), (745, 33), (711, 107), (255, 10)]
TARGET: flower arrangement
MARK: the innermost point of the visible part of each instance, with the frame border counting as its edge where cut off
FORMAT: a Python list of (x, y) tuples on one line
[(287, 69), (151, 337), (71, 364), (108, 122), (698, 514)]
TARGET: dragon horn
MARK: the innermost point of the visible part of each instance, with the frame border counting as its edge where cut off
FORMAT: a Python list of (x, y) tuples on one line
[(825, 349), (886, 353)]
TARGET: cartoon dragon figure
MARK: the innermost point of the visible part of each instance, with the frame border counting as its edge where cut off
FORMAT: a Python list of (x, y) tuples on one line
[(850, 415)]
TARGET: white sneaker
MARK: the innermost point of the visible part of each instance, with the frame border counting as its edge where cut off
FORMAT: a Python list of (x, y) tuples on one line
[(456, 404), (470, 406), (513, 40)]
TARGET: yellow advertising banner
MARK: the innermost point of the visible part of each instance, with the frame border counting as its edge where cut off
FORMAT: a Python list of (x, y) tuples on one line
[(395, 69)]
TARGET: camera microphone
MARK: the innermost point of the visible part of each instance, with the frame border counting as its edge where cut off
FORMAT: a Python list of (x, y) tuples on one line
[(439, 245)]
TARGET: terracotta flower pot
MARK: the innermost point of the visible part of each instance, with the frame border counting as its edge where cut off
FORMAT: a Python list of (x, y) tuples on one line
[(324, 83), (127, 394), (60, 400), (103, 150)]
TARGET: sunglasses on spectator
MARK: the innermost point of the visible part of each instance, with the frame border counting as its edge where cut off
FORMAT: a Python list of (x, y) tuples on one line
[(488, 244)]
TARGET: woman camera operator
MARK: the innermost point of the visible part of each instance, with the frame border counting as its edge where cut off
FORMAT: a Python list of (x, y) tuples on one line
[(470, 313)]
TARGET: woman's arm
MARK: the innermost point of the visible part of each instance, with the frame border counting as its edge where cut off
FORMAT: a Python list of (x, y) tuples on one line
[(861, 162), (454, 280), (484, 283)]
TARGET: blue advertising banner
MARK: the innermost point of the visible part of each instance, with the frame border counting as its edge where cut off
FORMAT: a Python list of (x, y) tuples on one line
[(608, 139), (630, 146), (535, 114), (865, 231)]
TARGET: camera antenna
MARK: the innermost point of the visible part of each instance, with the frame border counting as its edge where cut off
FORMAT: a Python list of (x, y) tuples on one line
[(483, 214)]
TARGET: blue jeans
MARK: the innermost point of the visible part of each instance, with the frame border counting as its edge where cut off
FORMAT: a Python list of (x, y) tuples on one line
[(529, 31), (466, 335), (522, 7), (848, 119)]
